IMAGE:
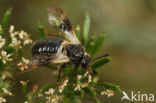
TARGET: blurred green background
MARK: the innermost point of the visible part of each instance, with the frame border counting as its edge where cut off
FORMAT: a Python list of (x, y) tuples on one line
[(130, 40)]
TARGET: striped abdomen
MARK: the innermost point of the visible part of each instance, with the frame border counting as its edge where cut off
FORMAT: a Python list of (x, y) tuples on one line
[(46, 47)]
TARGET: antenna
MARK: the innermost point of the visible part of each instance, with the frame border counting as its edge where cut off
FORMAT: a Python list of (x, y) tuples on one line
[(102, 56)]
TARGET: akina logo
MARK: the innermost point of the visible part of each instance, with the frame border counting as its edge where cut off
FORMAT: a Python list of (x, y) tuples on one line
[(137, 96)]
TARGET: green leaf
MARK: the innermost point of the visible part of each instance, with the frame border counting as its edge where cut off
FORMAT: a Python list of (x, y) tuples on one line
[(10, 49), (79, 93), (1, 30), (93, 99), (3, 84), (46, 87), (98, 44), (24, 87), (101, 62), (86, 27), (96, 100), (95, 80), (90, 44), (90, 91), (5, 18), (41, 100), (95, 72), (77, 31), (41, 29), (110, 86), (76, 100), (71, 99)]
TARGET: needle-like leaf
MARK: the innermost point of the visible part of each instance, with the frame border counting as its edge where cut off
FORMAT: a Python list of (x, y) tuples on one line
[(77, 30), (86, 27), (101, 62), (46, 87), (89, 91), (41, 29), (1, 30), (110, 86), (5, 18), (90, 44), (98, 44)]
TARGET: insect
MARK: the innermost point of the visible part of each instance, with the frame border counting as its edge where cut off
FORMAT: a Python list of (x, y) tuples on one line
[(55, 50)]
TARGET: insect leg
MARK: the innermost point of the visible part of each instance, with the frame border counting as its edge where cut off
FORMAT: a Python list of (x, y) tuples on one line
[(90, 71), (75, 68), (49, 34), (59, 75)]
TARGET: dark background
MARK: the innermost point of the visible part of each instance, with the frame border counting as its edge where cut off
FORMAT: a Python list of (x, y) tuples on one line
[(130, 40)]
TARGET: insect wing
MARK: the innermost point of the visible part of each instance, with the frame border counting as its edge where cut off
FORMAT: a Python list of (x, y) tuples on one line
[(58, 19), (60, 59), (55, 17)]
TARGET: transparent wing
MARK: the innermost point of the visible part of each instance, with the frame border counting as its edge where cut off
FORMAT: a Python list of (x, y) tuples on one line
[(60, 60), (58, 19)]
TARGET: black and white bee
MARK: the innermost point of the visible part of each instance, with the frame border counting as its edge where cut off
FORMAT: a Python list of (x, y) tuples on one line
[(55, 50)]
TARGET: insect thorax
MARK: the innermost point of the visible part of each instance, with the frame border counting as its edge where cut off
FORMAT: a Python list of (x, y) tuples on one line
[(75, 53)]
